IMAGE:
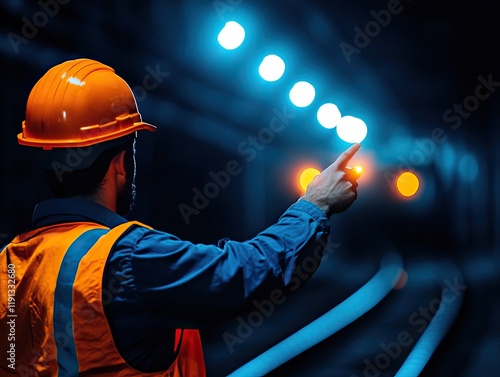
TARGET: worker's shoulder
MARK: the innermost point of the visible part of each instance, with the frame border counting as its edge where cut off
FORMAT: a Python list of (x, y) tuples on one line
[(134, 224), (138, 233)]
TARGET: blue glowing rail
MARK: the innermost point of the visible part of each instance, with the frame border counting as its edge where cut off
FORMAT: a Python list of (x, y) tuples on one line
[(434, 334), (328, 324)]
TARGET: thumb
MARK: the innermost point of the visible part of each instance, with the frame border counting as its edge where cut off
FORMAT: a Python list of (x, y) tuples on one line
[(342, 161)]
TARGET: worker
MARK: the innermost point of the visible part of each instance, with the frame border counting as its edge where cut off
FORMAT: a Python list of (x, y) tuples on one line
[(87, 292)]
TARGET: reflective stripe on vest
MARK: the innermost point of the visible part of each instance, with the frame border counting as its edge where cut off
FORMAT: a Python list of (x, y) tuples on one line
[(63, 301)]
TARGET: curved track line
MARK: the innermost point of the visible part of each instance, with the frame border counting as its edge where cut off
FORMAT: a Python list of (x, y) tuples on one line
[(434, 334), (328, 324)]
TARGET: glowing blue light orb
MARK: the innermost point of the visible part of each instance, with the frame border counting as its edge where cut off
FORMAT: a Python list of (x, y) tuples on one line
[(231, 36), (302, 94), (351, 129), (468, 168), (329, 115), (272, 68)]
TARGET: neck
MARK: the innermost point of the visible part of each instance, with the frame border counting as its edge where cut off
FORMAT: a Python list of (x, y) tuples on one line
[(103, 199)]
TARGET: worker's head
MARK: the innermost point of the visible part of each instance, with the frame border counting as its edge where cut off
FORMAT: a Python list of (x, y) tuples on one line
[(83, 118)]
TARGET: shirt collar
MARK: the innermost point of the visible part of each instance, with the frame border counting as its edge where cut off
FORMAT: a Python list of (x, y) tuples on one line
[(56, 211)]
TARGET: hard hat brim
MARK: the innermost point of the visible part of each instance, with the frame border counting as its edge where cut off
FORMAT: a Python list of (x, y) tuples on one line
[(93, 136)]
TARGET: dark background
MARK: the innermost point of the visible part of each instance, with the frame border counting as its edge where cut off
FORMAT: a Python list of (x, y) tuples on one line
[(428, 58)]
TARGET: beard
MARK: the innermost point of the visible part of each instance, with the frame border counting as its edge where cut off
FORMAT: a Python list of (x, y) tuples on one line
[(125, 200), (126, 197)]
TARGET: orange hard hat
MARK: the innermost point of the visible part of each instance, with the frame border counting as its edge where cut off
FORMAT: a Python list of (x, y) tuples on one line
[(80, 103)]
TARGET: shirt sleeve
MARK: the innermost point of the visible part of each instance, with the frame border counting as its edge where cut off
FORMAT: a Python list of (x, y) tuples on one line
[(190, 285)]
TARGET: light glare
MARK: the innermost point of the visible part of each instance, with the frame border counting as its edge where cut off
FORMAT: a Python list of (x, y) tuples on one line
[(408, 184), (231, 36), (302, 94), (272, 68), (468, 168), (306, 177), (352, 130), (329, 115)]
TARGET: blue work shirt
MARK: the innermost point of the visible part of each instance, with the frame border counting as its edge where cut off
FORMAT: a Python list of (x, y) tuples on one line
[(154, 282)]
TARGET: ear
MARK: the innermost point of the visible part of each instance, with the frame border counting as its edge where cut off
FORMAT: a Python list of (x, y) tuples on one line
[(118, 165)]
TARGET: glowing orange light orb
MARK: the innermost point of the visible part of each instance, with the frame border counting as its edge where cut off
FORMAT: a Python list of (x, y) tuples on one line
[(307, 176), (408, 184)]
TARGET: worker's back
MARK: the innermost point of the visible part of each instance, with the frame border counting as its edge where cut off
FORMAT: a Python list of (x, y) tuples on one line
[(51, 306)]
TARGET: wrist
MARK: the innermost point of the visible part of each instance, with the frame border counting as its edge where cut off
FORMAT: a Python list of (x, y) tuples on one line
[(323, 207)]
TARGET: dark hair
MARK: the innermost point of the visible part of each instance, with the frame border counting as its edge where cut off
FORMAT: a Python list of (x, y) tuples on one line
[(86, 182)]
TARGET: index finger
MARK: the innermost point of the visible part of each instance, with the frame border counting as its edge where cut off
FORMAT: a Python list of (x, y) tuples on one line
[(344, 158)]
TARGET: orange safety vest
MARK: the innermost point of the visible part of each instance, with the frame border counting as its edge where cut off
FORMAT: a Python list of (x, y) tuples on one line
[(52, 321)]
